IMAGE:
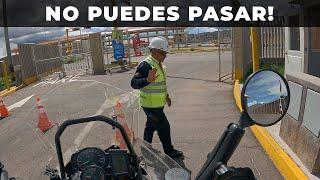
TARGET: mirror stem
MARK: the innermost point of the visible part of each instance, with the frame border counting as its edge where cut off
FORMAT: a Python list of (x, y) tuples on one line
[(245, 121)]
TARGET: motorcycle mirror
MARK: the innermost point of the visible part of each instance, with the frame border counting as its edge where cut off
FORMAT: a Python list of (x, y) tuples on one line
[(265, 97)]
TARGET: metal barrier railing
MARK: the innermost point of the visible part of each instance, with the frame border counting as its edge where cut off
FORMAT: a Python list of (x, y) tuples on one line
[(78, 62), (63, 64)]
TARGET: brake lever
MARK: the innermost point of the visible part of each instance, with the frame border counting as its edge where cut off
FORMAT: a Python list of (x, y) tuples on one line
[(52, 173)]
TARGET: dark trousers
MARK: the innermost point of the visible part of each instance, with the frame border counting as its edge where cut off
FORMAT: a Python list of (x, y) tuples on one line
[(157, 121)]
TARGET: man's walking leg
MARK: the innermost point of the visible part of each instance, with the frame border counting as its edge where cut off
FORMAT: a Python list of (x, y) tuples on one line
[(163, 129), (149, 128)]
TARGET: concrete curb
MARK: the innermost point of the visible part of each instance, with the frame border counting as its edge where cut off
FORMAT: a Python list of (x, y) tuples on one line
[(10, 91), (286, 166)]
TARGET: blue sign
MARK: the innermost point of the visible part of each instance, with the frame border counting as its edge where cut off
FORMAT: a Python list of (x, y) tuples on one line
[(118, 50)]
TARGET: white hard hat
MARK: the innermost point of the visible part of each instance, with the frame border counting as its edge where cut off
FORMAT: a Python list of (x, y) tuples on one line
[(160, 43)]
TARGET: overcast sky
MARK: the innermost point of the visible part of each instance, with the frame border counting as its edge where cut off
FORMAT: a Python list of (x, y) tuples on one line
[(19, 35)]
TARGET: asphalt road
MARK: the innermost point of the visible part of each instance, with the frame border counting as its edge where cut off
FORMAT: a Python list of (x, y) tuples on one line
[(202, 108)]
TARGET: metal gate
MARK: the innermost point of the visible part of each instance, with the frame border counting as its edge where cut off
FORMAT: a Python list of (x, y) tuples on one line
[(48, 59), (77, 63), (72, 64), (226, 63)]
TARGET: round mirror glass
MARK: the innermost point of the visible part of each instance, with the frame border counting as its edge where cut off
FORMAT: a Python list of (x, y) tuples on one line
[(265, 97)]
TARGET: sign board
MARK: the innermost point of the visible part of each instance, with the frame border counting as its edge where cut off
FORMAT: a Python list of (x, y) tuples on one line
[(118, 50), (179, 38), (137, 45), (117, 35)]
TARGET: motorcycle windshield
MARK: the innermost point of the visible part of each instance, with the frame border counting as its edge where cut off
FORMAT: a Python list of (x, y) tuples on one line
[(73, 100)]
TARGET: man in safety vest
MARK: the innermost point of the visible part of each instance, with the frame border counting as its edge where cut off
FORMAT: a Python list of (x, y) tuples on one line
[(150, 78)]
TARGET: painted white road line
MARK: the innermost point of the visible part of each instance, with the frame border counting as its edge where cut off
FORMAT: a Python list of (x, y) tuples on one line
[(20, 103)]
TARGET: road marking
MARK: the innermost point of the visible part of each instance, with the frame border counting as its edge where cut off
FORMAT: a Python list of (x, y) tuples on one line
[(74, 78), (20, 103), (51, 81)]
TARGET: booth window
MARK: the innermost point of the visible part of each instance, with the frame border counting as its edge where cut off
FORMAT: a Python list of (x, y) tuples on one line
[(294, 33), (315, 40), (295, 38)]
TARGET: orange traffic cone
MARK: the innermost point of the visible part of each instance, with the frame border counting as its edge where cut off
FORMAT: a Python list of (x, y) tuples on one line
[(133, 137), (118, 110), (44, 124), (3, 109), (121, 119), (118, 105), (119, 140)]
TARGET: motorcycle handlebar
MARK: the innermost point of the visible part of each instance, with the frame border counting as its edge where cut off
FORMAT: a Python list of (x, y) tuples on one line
[(86, 120)]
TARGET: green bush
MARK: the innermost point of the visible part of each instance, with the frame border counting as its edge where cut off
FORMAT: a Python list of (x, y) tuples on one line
[(2, 84), (276, 67), (280, 68)]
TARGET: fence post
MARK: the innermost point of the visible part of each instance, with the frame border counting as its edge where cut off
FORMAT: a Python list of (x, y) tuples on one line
[(128, 42), (219, 53), (60, 54), (34, 62)]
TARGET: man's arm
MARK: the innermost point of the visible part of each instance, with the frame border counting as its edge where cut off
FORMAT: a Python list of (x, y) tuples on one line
[(139, 80)]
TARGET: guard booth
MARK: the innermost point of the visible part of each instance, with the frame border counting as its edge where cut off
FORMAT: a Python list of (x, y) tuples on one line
[(300, 128)]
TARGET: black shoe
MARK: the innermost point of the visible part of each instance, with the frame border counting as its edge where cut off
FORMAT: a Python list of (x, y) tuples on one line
[(174, 153)]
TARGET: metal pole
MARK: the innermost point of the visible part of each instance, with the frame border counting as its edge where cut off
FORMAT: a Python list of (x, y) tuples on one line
[(6, 36), (219, 54), (62, 61), (269, 42), (198, 37), (68, 43), (179, 36), (128, 40), (279, 42), (107, 49), (165, 33), (9, 58), (232, 53), (34, 62), (273, 42), (262, 41), (81, 41)]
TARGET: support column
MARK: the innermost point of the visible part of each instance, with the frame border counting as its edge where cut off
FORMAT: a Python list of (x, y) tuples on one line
[(96, 54)]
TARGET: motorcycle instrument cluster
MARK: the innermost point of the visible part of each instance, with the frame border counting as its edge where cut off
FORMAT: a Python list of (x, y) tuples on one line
[(94, 163)]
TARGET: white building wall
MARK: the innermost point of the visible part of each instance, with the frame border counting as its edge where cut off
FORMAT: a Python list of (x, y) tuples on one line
[(294, 60)]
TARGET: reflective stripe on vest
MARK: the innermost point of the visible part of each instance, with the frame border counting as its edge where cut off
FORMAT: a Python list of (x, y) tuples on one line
[(154, 94), (151, 91)]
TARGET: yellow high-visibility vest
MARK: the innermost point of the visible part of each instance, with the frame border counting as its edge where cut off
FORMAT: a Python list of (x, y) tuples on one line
[(154, 94)]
